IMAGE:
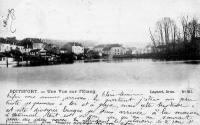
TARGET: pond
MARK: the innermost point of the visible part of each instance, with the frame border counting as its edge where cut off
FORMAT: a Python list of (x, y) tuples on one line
[(106, 73)]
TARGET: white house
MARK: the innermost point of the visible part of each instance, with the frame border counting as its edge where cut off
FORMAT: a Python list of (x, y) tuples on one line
[(77, 49), (38, 45), (21, 49), (8, 47), (117, 51), (5, 47)]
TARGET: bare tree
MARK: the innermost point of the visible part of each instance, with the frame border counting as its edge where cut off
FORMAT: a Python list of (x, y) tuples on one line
[(160, 32), (153, 40), (184, 22), (173, 42), (193, 28)]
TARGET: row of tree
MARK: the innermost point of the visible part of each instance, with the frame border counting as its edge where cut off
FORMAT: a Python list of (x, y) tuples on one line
[(176, 41)]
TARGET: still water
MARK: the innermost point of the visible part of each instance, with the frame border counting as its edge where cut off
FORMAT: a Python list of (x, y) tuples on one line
[(105, 73)]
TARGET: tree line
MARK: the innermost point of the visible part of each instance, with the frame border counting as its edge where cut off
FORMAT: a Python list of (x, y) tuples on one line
[(176, 41)]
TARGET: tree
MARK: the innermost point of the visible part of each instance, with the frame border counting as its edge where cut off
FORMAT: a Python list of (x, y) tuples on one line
[(172, 42), (193, 28), (184, 22), (165, 34), (153, 40), (27, 43)]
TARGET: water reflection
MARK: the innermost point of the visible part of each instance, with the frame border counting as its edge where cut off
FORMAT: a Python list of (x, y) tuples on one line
[(131, 71), (114, 60), (192, 62), (139, 60)]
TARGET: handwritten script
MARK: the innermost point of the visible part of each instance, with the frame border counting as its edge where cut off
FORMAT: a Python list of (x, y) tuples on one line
[(111, 107), (11, 16)]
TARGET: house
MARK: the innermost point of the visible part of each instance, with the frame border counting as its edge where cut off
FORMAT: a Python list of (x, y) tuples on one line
[(44, 53), (72, 47), (113, 49), (21, 49), (8, 47), (128, 51), (27, 50), (99, 48), (5, 47), (38, 45), (28, 44), (34, 52), (13, 47), (63, 50), (17, 47), (117, 50), (106, 50), (77, 49), (131, 51)]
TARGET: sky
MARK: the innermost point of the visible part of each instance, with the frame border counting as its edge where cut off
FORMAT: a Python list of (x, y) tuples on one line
[(103, 21)]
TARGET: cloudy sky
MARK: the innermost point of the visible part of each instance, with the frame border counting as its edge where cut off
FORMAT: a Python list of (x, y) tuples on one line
[(104, 21)]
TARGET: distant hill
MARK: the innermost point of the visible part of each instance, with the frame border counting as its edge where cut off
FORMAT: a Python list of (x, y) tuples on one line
[(61, 43)]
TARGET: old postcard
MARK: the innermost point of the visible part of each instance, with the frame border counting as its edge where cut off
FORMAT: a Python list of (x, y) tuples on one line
[(100, 62)]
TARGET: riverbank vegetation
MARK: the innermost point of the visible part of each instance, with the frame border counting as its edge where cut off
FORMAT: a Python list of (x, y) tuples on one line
[(176, 41)]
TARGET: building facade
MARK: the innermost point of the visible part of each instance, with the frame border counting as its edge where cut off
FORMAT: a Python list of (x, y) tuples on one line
[(5, 47), (77, 49), (21, 49), (38, 45), (117, 51)]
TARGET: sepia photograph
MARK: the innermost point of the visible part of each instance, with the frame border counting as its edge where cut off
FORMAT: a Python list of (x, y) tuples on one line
[(100, 62)]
